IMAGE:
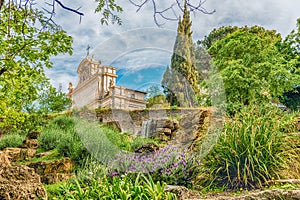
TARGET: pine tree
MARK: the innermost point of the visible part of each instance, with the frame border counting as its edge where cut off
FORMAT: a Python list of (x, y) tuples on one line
[(181, 81)]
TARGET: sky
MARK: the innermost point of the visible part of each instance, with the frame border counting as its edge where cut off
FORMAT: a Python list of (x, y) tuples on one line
[(141, 50)]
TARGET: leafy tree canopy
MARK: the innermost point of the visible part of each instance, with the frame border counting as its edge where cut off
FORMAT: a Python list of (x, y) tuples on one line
[(27, 42), (252, 66)]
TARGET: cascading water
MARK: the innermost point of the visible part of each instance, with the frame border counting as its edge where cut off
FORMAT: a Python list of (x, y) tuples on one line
[(148, 128)]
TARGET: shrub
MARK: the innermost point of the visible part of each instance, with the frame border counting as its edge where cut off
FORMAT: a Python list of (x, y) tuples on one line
[(120, 140), (66, 123), (170, 164), (115, 188), (50, 138), (252, 149), (71, 146), (12, 140)]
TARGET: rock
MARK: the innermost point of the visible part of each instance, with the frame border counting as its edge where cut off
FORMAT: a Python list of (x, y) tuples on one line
[(54, 178), (3, 160), (19, 154), (181, 192), (20, 182), (30, 143), (161, 137), (43, 154), (147, 148), (33, 135), (176, 124), (52, 172), (169, 124), (167, 131), (64, 165), (259, 195)]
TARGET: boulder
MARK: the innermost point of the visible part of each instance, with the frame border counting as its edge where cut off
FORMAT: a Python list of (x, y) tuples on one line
[(169, 124), (167, 131), (30, 143), (4, 161), (19, 154), (181, 192), (54, 178), (52, 172), (147, 148), (20, 182), (43, 154)]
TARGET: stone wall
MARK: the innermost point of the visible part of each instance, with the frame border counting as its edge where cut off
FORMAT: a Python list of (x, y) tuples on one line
[(181, 126)]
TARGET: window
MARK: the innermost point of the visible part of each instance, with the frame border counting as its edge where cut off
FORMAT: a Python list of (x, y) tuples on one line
[(133, 96)]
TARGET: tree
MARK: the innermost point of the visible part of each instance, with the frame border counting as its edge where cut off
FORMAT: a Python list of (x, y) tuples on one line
[(183, 81), (290, 47), (215, 35), (51, 101), (27, 42), (252, 66)]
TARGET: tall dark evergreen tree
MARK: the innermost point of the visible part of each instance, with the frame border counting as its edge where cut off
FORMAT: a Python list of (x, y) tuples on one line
[(181, 80)]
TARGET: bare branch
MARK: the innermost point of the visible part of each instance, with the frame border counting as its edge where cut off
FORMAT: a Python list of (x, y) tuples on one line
[(69, 9), (164, 12)]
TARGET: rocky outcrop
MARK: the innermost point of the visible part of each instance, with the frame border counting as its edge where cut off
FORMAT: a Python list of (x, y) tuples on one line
[(4, 161), (259, 195), (19, 154), (185, 126), (30, 143), (52, 172), (19, 182), (147, 148), (181, 192)]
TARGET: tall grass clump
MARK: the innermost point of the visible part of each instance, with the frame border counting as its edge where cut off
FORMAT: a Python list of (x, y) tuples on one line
[(252, 150), (61, 135), (125, 188), (12, 140)]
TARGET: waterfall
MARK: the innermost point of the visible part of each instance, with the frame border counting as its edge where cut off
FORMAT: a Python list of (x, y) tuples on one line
[(148, 128)]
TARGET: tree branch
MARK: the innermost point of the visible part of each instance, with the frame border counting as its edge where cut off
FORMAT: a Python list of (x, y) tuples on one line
[(164, 12)]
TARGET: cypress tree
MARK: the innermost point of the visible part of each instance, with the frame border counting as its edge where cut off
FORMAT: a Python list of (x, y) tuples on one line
[(180, 83)]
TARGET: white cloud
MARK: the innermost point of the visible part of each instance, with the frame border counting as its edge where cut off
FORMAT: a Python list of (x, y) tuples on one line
[(138, 43)]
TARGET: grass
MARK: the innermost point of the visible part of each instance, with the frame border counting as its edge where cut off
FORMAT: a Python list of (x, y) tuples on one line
[(116, 188), (12, 140), (252, 150)]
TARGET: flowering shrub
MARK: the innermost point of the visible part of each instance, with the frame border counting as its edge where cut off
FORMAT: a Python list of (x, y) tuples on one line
[(170, 164)]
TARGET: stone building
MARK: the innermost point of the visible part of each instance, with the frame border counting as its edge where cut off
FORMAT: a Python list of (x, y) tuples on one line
[(96, 87)]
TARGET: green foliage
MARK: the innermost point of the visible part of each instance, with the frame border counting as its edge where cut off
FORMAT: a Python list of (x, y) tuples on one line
[(13, 121), (180, 83), (215, 35), (50, 138), (108, 9), (158, 99), (61, 135), (291, 99), (51, 101), (27, 43), (26, 48), (116, 188), (252, 149), (120, 140), (12, 140), (65, 123), (252, 66)]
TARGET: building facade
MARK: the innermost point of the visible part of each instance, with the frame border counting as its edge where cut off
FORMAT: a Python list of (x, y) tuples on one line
[(96, 88)]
